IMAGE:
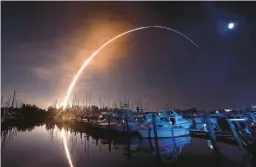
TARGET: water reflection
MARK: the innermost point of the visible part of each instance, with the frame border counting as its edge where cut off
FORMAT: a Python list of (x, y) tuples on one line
[(209, 144), (63, 135), (7, 135), (82, 146), (169, 149)]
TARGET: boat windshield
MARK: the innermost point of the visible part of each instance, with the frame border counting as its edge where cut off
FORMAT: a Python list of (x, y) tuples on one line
[(172, 120), (102, 117), (164, 119)]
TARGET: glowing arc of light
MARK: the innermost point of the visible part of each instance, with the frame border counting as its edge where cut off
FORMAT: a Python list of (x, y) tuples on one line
[(66, 148), (87, 61)]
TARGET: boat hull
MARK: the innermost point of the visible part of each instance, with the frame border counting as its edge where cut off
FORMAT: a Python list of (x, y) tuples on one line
[(123, 128), (164, 132)]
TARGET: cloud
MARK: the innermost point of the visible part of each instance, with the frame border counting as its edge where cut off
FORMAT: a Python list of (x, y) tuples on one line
[(42, 73)]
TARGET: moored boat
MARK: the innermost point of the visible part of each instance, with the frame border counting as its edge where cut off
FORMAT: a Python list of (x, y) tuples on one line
[(167, 125)]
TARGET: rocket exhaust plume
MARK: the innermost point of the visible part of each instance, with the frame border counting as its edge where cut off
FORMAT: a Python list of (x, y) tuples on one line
[(87, 61)]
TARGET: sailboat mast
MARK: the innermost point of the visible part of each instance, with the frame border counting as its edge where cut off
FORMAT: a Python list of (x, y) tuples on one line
[(100, 101), (2, 97), (90, 98), (13, 98)]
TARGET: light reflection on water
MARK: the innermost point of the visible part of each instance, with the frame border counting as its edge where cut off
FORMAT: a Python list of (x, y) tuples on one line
[(65, 145), (56, 146)]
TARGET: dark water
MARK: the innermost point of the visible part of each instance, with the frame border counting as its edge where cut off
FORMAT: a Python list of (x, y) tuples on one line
[(62, 147)]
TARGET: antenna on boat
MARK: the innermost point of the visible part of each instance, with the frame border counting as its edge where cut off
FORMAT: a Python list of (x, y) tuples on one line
[(13, 99), (113, 104), (163, 112), (173, 111), (120, 102), (86, 99), (141, 102), (90, 99)]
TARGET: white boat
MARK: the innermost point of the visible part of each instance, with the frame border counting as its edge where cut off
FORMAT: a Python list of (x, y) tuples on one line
[(103, 121), (178, 121), (134, 125), (166, 126), (198, 122)]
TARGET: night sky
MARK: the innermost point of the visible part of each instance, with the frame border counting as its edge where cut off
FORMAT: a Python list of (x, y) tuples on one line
[(45, 43)]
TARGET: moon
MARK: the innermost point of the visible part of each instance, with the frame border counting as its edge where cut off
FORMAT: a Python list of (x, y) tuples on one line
[(231, 25)]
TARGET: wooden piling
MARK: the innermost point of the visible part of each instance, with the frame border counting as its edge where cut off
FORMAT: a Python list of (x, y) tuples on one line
[(175, 149), (240, 144), (155, 133), (232, 127), (109, 141), (109, 122), (149, 139), (211, 132), (127, 135), (211, 135), (238, 125)]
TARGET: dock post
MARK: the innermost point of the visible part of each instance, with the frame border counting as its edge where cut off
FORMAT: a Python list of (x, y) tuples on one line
[(238, 125), (219, 128), (155, 133), (232, 127), (211, 132), (202, 120), (175, 149), (239, 143), (109, 122), (149, 139), (127, 135), (109, 141)]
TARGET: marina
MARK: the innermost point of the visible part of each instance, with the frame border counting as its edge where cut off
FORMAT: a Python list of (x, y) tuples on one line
[(164, 134), (123, 84), (96, 147)]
